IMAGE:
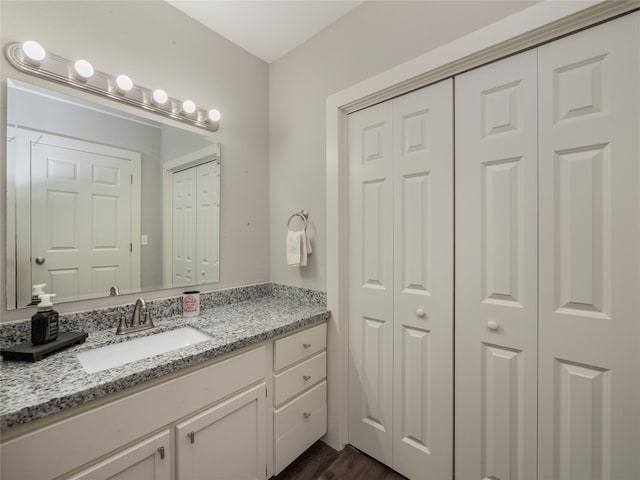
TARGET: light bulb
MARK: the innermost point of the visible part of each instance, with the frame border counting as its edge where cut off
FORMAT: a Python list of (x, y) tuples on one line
[(213, 115), (160, 97), (188, 107), (84, 70), (123, 84), (33, 52)]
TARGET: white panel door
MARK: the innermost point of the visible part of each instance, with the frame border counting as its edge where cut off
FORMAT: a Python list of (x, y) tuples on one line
[(208, 221), (82, 201), (423, 282), (184, 226), (371, 281), (226, 442), (589, 366), (496, 270), (196, 216)]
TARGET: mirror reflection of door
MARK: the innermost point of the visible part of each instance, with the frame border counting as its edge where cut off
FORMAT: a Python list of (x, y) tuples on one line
[(85, 215), (195, 219)]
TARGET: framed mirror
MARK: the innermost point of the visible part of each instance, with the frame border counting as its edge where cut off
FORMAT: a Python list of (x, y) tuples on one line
[(103, 202)]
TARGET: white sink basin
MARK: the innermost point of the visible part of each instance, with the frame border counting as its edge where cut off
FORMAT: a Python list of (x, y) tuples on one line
[(118, 354)]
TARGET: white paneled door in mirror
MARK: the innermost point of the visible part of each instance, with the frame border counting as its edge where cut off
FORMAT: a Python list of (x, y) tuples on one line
[(85, 214), (496, 271), (371, 281), (590, 254), (423, 282)]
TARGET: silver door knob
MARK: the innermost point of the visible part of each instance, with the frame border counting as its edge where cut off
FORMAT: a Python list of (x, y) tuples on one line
[(40, 260), (420, 313), (492, 325)]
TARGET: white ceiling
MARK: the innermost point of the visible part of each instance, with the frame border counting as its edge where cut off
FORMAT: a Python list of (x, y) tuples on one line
[(268, 29)]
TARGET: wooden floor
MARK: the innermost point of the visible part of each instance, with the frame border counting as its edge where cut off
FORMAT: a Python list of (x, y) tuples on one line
[(321, 462)]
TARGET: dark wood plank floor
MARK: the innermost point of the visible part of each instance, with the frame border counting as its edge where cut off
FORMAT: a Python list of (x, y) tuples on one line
[(321, 462)]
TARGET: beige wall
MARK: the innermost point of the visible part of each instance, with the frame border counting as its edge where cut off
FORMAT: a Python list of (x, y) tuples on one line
[(158, 46), (370, 39)]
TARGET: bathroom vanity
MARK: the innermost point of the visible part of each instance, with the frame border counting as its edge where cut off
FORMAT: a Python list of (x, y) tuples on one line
[(244, 404)]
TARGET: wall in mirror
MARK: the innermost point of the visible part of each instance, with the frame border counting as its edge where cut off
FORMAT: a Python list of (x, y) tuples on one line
[(102, 202)]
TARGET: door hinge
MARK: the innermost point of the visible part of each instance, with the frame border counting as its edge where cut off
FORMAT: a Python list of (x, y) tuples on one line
[(132, 179)]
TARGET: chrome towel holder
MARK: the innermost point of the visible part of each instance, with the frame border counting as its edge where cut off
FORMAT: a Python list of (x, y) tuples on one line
[(303, 214)]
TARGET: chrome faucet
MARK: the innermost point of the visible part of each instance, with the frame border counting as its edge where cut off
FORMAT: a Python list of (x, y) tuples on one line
[(141, 319)]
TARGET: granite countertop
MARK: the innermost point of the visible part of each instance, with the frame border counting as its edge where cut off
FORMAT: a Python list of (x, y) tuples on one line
[(29, 391)]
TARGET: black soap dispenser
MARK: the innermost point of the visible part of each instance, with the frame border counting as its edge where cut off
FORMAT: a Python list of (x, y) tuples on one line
[(44, 324)]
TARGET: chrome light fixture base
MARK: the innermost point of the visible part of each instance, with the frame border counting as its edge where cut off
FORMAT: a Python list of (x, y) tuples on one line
[(61, 70)]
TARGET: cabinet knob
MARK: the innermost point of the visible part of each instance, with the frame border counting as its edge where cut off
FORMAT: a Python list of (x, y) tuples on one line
[(492, 325), (306, 414), (192, 436), (306, 345), (40, 260), (161, 451), (306, 377), (420, 312)]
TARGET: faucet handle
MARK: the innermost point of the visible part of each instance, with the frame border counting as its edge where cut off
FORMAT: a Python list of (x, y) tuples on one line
[(122, 326), (147, 316)]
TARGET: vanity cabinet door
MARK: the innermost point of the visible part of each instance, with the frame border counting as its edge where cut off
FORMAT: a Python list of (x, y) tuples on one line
[(227, 441), (147, 460)]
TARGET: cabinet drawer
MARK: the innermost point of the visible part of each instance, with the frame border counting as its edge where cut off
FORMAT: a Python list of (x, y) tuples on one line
[(295, 347), (298, 424), (291, 382)]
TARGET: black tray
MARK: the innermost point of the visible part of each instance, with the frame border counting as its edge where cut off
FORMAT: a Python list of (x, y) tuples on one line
[(32, 353)]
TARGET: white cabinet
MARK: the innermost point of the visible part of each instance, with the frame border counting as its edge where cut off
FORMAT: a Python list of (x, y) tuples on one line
[(225, 442), (300, 393), (401, 281), (149, 459), (77, 441), (548, 261)]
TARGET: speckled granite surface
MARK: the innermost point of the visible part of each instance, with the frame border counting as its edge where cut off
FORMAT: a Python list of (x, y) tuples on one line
[(33, 390)]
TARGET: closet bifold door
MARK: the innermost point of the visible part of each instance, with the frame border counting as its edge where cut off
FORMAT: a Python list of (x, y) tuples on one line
[(589, 358), (496, 270), (423, 278), (401, 282), (371, 281)]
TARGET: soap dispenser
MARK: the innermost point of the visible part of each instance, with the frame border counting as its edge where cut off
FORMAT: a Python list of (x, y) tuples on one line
[(44, 323), (36, 291)]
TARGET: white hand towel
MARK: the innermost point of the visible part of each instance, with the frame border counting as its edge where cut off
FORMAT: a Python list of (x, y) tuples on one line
[(303, 250), (294, 248), (308, 240)]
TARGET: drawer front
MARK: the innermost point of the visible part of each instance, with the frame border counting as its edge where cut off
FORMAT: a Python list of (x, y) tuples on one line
[(291, 382), (295, 347), (298, 424)]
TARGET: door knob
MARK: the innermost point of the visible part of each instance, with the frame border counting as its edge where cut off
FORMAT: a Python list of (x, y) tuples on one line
[(420, 312), (492, 325), (40, 260)]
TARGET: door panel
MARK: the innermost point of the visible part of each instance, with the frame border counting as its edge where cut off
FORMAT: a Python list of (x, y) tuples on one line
[(590, 254), (371, 281), (81, 217), (496, 270), (225, 442), (184, 227), (423, 287)]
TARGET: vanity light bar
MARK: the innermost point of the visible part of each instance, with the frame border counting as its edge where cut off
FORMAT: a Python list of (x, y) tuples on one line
[(31, 58)]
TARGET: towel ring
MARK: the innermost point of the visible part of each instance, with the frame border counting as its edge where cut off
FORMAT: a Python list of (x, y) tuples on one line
[(303, 214)]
